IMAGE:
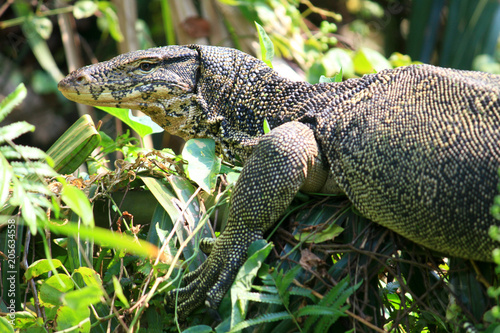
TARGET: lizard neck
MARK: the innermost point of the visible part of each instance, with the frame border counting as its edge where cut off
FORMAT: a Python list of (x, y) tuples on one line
[(235, 93)]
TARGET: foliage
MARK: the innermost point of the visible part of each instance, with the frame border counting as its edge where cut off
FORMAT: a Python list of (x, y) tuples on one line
[(112, 240)]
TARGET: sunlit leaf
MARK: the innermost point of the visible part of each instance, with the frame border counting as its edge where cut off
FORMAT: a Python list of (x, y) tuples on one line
[(40, 267), (203, 164), (84, 9)]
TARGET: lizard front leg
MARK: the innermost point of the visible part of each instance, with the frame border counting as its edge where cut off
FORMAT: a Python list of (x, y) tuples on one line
[(283, 161)]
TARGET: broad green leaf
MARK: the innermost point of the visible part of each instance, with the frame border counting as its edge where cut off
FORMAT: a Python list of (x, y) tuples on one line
[(146, 120), (89, 276), (367, 61), (12, 100), (119, 292), (40, 267), (337, 59), (163, 195), (325, 79), (5, 326), (142, 125), (266, 45), (69, 317), (78, 203), (203, 164), (184, 191), (28, 319), (74, 145), (52, 289), (199, 329), (81, 298), (84, 9)]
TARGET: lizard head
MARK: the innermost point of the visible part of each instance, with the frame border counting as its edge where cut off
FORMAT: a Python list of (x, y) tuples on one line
[(161, 82)]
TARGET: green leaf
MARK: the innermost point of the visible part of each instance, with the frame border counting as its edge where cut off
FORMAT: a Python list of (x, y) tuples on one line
[(81, 298), (43, 26), (259, 297), (40, 267), (324, 79), (337, 59), (119, 292), (73, 147), (107, 238), (318, 311), (5, 325), (265, 318), (267, 129), (163, 195), (68, 317), (258, 252), (89, 276), (12, 100), (142, 125), (5, 178), (329, 233), (199, 329), (111, 20), (203, 165), (84, 9), (78, 203), (284, 282), (367, 61), (266, 45), (52, 289)]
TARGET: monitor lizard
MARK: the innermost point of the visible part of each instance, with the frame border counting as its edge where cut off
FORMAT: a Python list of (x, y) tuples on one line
[(415, 149)]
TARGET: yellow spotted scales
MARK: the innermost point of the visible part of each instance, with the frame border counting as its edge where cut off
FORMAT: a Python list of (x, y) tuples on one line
[(416, 149)]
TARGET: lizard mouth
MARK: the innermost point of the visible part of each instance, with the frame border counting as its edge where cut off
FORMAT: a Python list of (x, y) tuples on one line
[(134, 97)]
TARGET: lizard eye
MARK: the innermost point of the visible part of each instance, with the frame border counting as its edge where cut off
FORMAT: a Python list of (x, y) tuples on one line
[(146, 66)]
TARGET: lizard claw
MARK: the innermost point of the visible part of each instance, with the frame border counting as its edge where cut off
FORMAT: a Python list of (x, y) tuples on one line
[(208, 284)]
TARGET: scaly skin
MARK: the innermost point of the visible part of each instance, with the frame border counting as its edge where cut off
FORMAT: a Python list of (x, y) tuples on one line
[(416, 149)]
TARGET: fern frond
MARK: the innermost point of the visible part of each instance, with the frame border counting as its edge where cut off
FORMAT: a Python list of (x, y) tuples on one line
[(265, 318), (22, 152), (5, 178), (334, 299), (266, 289), (38, 188), (11, 101), (33, 167), (259, 297), (299, 291), (15, 130), (319, 310)]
